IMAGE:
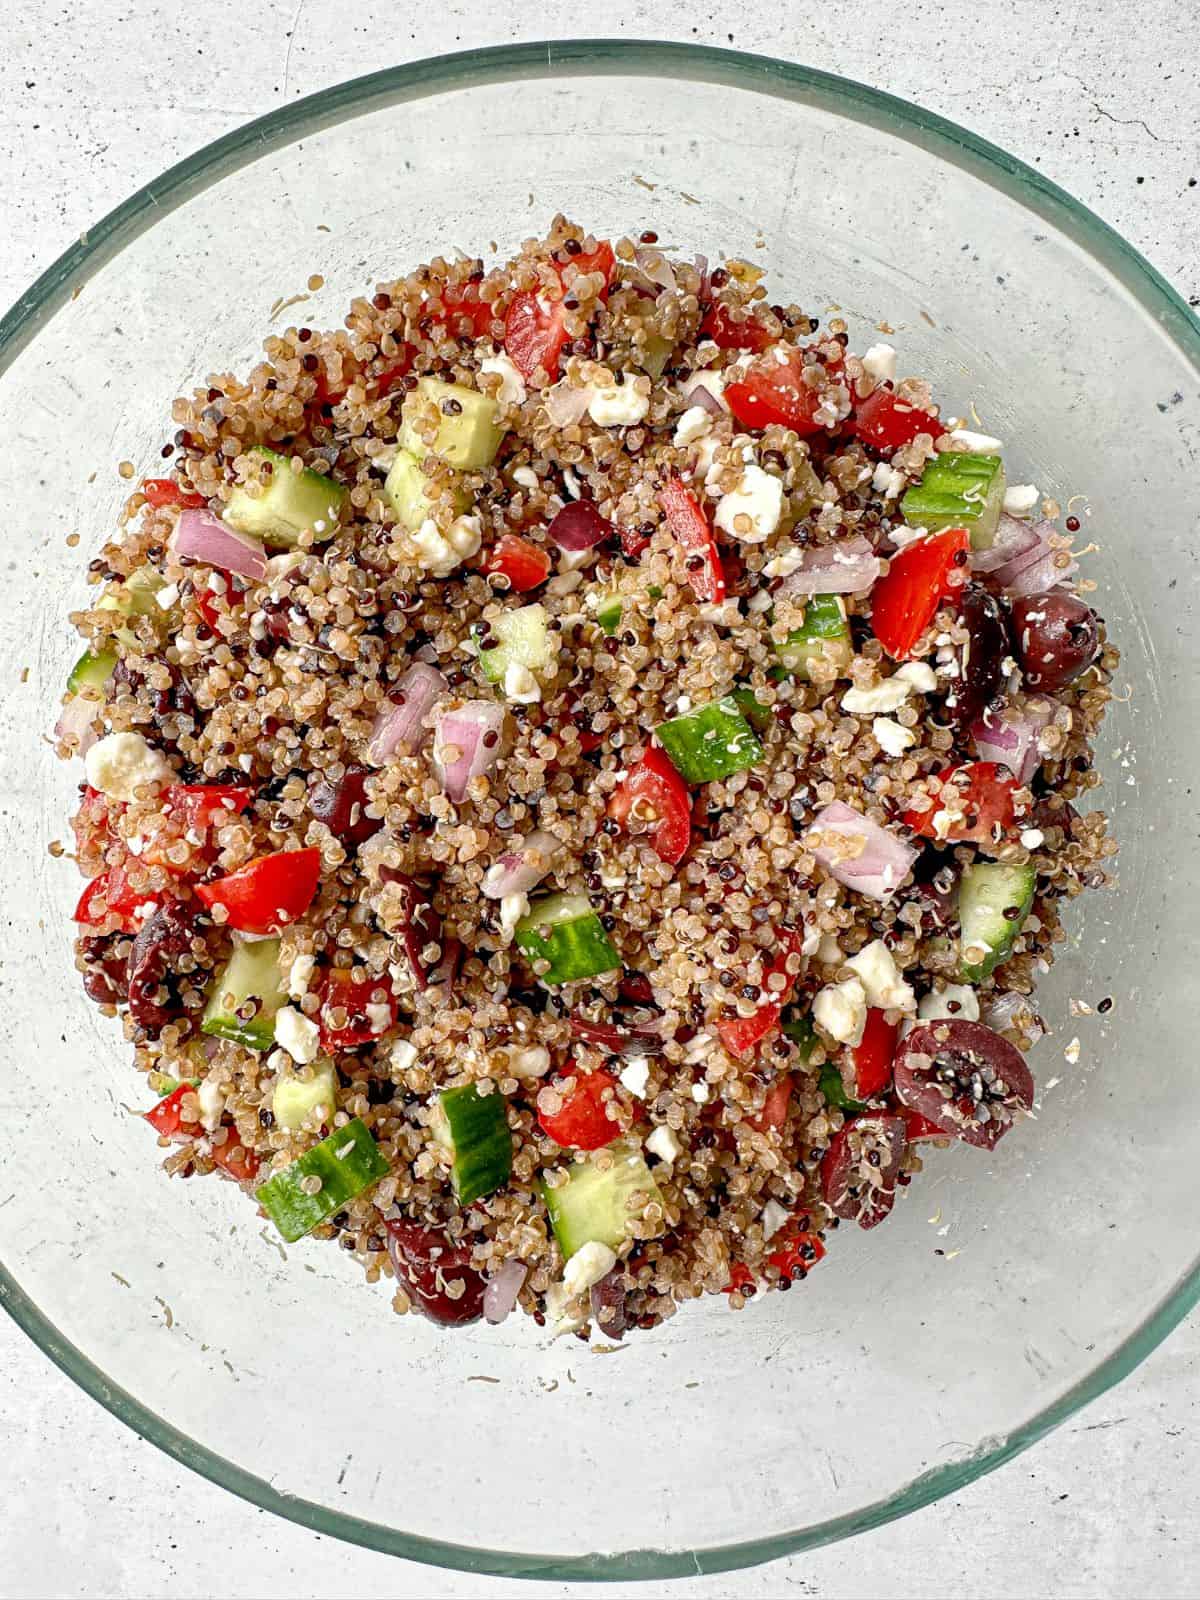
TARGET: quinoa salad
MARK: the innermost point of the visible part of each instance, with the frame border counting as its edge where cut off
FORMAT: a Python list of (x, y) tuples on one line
[(581, 773)]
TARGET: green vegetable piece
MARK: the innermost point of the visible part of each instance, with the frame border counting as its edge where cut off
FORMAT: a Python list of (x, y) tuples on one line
[(800, 1031), (564, 930), (290, 503), (163, 1084), (296, 1101), (993, 902), (759, 716), (406, 486), (654, 591), (823, 633), (345, 1163), (473, 1127), (595, 1206), (711, 742), (608, 613), (135, 598), (834, 1090), (245, 996), (468, 430), (958, 490), (92, 671), (524, 641)]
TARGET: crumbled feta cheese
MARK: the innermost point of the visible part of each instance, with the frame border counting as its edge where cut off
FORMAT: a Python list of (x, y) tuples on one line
[(887, 481), (618, 405), (1071, 1053), (521, 685), (565, 1313), (298, 1034), (564, 583), (976, 444), (773, 1218), (892, 737), (829, 951), (751, 512), (714, 382), (782, 565), (635, 1076), (441, 553), (663, 1143), (404, 1055), (886, 696), (299, 975), (512, 908), (961, 996), (760, 600), (920, 674), (692, 425), (700, 1093), (512, 384), (576, 560), (526, 477), (841, 1009), (212, 1104), (880, 362), (722, 615), (706, 466), (590, 1263), (880, 978), (1020, 498), (120, 763), (246, 761), (1031, 838), (528, 1061), (379, 1016), (683, 705), (167, 596)]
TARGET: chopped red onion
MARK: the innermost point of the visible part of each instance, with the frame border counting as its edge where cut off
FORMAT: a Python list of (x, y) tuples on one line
[(1035, 570), (502, 1290), (77, 723), (1010, 736), (579, 526), (847, 566), (401, 723), (518, 871), (1014, 538), (881, 861), (565, 404), (695, 393), (463, 747), (655, 266), (202, 536)]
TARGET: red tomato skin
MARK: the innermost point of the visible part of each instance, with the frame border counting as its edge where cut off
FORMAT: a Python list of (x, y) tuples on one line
[(202, 805), (255, 895), (775, 1106), (917, 1127), (340, 989), (870, 1062), (985, 790), (719, 326), (886, 422), (742, 1036), (166, 492), (525, 564), (741, 1279), (905, 600), (775, 391), (691, 527), (166, 1118), (797, 1253), (534, 333), (657, 785), (233, 1159), (479, 313), (124, 904), (583, 1123)]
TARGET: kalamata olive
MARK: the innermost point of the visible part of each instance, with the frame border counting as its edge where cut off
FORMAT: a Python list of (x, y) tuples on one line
[(341, 806), (419, 924), (165, 937), (979, 670), (106, 972), (438, 1275), (860, 1168), (963, 1077), (1058, 637), (608, 1303)]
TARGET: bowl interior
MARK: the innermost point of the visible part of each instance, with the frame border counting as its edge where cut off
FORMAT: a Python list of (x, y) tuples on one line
[(1009, 1286)]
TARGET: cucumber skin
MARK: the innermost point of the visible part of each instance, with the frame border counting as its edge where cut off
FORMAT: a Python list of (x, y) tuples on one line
[(524, 638), (592, 1206), (578, 946), (939, 500), (700, 759), (295, 1213), (474, 1128), (92, 671), (248, 970), (978, 886)]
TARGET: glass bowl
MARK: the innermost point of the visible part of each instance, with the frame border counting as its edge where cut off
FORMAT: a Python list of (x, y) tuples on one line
[(1010, 1288)]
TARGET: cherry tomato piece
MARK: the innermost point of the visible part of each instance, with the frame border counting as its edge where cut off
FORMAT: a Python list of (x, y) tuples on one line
[(978, 797), (775, 1106), (126, 908), (267, 893), (525, 564), (583, 1121), (867, 1066), (774, 390), (886, 422), (731, 333), (166, 492), (204, 805), (691, 527), (905, 600), (368, 1004), (796, 1253), (653, 792)]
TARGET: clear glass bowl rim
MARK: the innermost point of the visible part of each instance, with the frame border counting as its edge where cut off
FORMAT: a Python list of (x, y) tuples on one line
[(640, 58)]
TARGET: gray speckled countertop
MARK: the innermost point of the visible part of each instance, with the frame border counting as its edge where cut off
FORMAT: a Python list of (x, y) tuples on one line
[(98, 97)]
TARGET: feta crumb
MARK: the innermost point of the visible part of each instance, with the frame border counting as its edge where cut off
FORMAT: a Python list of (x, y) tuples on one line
[(692, 425), (565, 1313), (723, 615), (440, 553), (714, 382), (920, 674), (888, 481), (298, 1034), (663, 1143), (512, 908), (880, 978), (590, 1263), (935, 1006), (575, 560), (751, 512), (880, 362), (120, 763), (1020, 498), (526, 477), (892, 737), (167, 596), (212, 1104), (512, 384), (528, 1061), (782, 565), (618, 405), (889, 695), (635, 1076), (976, 444), (773, 1218), (404, 1055), (683, 704), (379, 1016), (521, 685), (700, 1093), (841, 1009), (1031, 838), (299, 974)]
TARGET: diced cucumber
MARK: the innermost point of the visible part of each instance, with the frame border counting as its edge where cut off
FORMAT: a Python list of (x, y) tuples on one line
[(468, 430), (608, 612), (345, 1163), (824, 632), (802, 1034), (290, 503), (245, 996), (564, 930), (524, 640), (473, 1127), (655, 354), (831, 1086), (807, 484), (958, 490), (711, 742), (136, 598), (92, 671), (297, 1101), (654, 591), (596, 1206), (406, 486), (993, 902), (759, 716)]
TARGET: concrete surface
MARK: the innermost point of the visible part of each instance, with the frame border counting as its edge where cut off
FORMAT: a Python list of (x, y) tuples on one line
[(99, 96)]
